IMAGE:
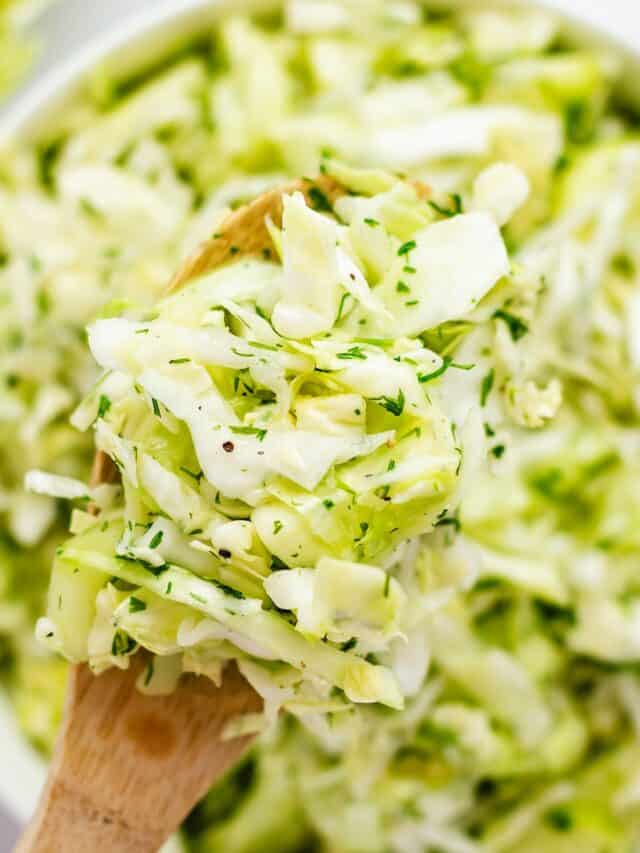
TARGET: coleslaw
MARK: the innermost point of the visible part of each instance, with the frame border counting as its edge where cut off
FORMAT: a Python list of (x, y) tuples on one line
[(518, 665)]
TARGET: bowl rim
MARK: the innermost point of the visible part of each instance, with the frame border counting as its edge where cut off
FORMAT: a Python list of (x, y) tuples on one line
[(152, 33), (174, 21)]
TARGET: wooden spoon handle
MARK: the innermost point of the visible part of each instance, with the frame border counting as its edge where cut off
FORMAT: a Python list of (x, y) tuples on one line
[(70, 823), (117, 781)]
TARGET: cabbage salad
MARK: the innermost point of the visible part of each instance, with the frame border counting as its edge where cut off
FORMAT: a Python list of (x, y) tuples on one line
[(510, 628), (284, 432)]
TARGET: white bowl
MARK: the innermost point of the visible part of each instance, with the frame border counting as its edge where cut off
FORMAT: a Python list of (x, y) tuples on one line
[(141, 33)]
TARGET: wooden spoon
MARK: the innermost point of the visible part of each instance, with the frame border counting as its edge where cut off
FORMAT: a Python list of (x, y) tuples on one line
[(129, 768)]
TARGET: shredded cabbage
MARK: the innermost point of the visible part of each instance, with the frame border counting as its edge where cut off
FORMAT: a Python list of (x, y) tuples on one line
[(275, 459), (510, 629)]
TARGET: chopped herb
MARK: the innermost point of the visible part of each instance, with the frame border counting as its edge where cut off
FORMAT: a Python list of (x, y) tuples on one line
[(234, 250), (489, 431), (103, 406), (372, 223), (486, 388), (449, 521), (157, 539), (229, 590), (409, 269), (454, 210), (328, 503), (198, 598), (498, 451), (246, 430), (383, 492), (278, 565), (391, 465), (149, 673), (277, 526), (560, 819), (412, 303), (353, 353), (517, 327), (407, 247), (578, 119), (142, 331), (401, 287), (179, 360), (136, 605), (122, 644), (237, 352), (393, 406), (319, 200), (350, 644), (387, 584), (169, 588), (196, 477), (623, 265), (343, 299), (48, 157), (155, 570), (156, 407)]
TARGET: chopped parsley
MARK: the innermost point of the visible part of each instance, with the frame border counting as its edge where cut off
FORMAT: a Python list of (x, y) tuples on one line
[(319, 200), (136, 605), (353, 353), (406, 248), (122, 644), (447, 362), (196, 477), (486, 387), (343, 300), (103, 406), (395, 406), (277, 526), (560, 819), (179, 360), (517, 327), (228, 590), (449, 212), (278, 565), (156, 540)]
